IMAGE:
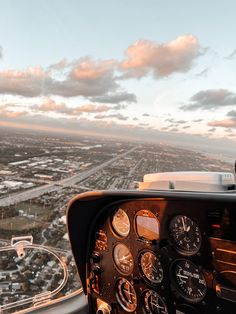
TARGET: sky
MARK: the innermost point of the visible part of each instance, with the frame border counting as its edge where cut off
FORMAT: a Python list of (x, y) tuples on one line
[(150, 69)]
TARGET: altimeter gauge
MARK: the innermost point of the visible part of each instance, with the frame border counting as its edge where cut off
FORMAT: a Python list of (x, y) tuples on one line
[(189, 280), (126, 295), (185, 235), (123, 259), (150, 267), (120, 223), (154, 303)]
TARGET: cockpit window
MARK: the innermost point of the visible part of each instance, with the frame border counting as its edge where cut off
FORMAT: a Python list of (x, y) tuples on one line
[(93, 96)]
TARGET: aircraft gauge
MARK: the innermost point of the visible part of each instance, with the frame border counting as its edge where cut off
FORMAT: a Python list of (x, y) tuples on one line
[(126, 295), (189, 281), (150, 267), (154, 303), (185, 234), (123, 259), (120, 223)]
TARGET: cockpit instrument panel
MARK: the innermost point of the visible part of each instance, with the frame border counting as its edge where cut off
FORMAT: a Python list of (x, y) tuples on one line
[(144, 252)]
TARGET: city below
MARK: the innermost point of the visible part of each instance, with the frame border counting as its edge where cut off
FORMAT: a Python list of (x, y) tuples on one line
[(39, 174)]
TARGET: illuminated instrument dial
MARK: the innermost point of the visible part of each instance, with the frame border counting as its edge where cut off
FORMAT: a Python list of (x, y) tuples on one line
[(185, 234), (153, 303), (120, 223), (150, 267), (189, 281), (123, 259), (126, 295)]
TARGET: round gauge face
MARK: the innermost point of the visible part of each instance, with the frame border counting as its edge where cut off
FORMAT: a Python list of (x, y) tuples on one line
[(150, 267), (186, 235), (123, 259), (120, 223), (189, 281), (126, 295), (153, 303)]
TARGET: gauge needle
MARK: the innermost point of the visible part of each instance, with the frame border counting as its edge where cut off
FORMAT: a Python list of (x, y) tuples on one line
[(182, 276), (184, 224), (124, 257), (158, 306)]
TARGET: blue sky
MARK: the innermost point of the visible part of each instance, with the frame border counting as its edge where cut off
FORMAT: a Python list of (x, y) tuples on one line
[(167, 67)]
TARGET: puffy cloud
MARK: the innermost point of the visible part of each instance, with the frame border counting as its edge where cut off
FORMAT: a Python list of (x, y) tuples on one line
[(12, 114), (28, 83), (226, 123), (115, 98), (51, 106), (161, 60), (91, 108), (86, 69), (88, 81), (211, 99), (98, 80)]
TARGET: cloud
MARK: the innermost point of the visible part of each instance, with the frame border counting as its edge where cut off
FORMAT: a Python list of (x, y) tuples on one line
[(49, 105), (0, 52), (146, 115), (226, 123), (198, 120), (12, 114), (231, 55), (161, 60), (203, 73), (210, 99), (174, 130), (115, 98), (117, 116), (212, 130), (62, 64), (98, 80), (87, 78), (28, 83), (232, 114), (186, 127), (175, 122)]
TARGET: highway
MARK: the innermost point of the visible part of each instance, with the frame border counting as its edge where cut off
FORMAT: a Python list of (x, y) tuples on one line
[(58, 185)]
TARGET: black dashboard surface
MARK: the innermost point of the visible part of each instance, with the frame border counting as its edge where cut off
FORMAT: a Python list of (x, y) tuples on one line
[(159, 252)]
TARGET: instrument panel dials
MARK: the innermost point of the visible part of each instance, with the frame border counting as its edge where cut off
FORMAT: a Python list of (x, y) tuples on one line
[(123, 259), (120, 223), (150, 267), (185, 234), (154, 303), (126, 295), (189, 280)]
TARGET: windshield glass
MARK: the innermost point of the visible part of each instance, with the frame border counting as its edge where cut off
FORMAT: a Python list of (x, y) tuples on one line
[(94, 95)]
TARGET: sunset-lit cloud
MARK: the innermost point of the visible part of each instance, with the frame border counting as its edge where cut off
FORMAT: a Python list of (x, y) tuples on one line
[(50, 105), (225, 123), (161, 60)]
